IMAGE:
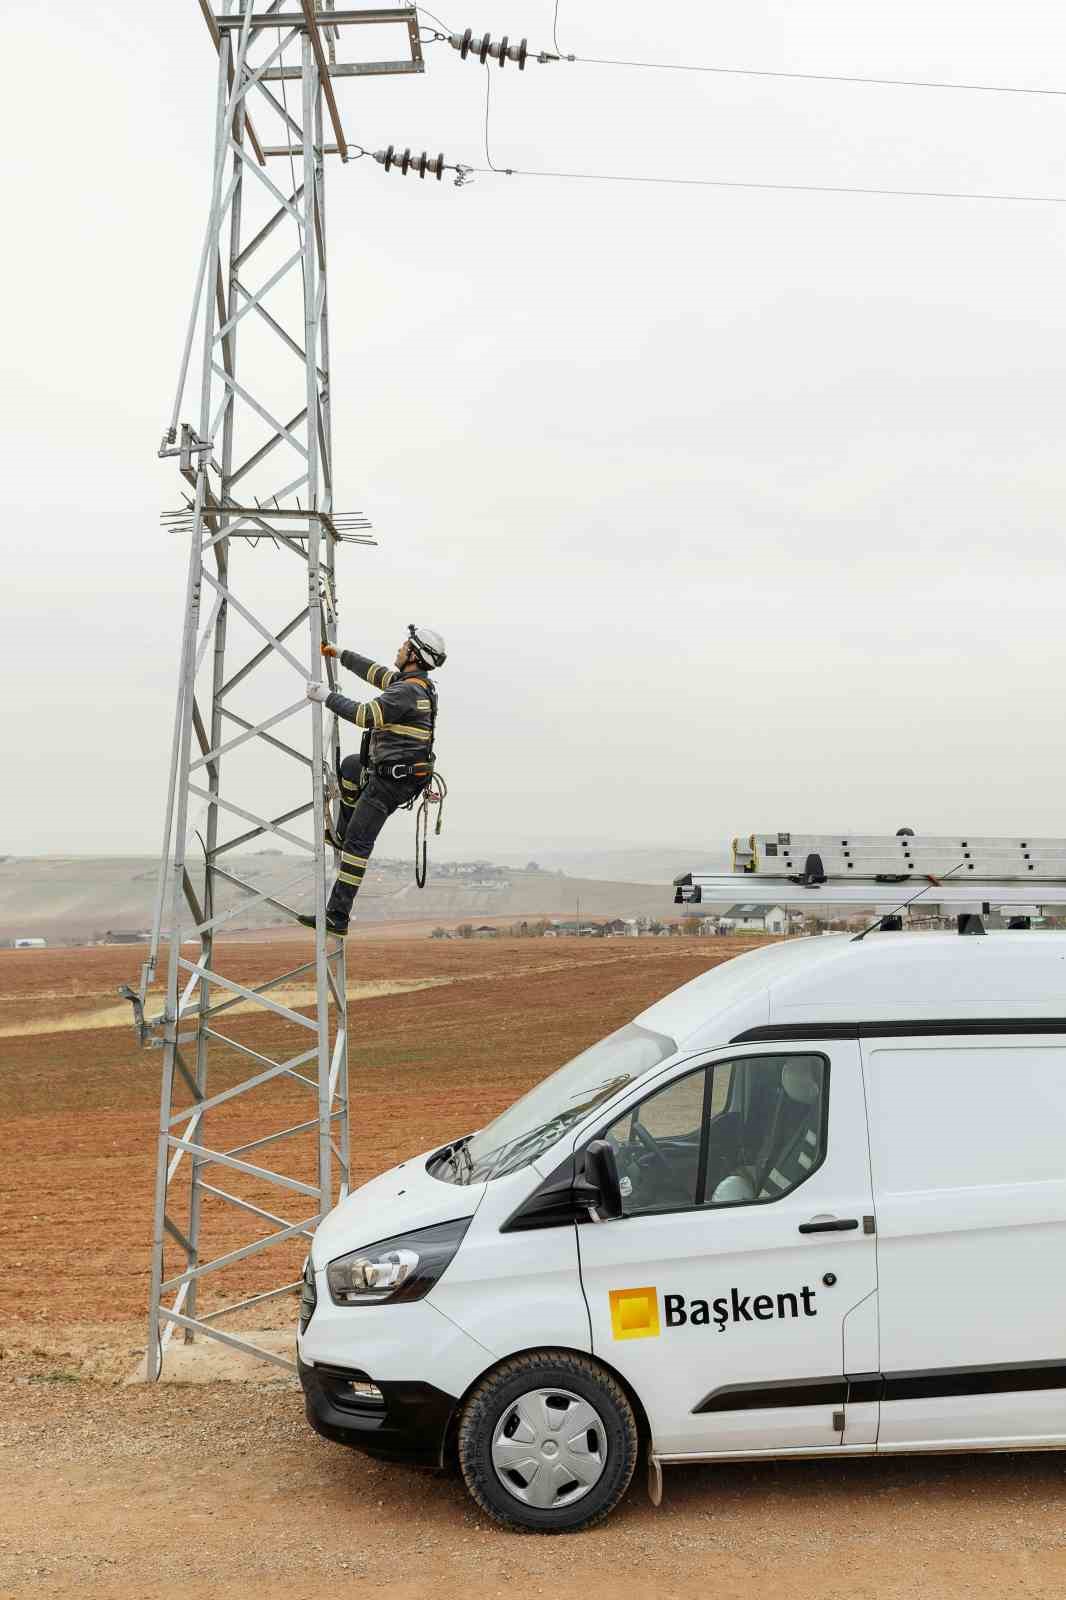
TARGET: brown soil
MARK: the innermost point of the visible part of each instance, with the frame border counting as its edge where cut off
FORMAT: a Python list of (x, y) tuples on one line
[(80, 1107), (223, 1490)]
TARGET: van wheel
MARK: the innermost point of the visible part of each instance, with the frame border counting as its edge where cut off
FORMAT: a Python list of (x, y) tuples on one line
[(548, 1443)]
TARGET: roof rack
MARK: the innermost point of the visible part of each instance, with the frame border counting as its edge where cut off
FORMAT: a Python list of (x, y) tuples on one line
[(967, 873)]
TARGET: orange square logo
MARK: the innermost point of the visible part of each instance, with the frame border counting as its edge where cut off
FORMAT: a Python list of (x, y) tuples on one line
[(634, 1313)]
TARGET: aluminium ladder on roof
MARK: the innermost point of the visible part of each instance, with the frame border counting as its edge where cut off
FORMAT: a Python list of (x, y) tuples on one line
[(967, 872), (784, 855)]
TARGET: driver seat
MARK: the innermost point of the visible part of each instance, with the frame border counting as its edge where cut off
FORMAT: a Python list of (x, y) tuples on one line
[(791, 1146), (797, 1152)]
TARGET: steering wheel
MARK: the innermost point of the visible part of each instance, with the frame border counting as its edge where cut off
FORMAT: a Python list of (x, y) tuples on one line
[(651, 1146)]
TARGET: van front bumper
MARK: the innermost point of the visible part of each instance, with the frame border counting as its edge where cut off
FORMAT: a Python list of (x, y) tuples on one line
[(410, 1426)]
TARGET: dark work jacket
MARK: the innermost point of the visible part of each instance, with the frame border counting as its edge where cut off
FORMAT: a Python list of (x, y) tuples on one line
[(401, 720)]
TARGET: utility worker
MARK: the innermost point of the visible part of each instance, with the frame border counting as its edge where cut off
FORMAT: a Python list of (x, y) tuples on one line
[(395, 761)]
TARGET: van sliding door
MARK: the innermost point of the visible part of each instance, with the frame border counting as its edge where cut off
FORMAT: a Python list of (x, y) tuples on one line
[(968, 1144)]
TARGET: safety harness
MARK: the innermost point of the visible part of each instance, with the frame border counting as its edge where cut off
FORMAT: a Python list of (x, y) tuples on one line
[(433, 794)]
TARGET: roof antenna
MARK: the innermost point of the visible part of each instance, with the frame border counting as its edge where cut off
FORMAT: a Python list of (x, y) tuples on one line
[(932, 884)]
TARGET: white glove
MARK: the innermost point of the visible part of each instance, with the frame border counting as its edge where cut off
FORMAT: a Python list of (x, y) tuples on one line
[(318, 691)]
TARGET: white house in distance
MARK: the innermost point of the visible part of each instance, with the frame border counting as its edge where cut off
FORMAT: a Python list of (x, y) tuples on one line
[(747, 918)]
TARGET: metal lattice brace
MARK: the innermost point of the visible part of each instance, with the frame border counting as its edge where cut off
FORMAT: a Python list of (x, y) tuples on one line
[(253, 1126)]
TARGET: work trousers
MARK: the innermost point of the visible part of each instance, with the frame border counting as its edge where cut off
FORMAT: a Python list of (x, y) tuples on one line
[(365, 809)]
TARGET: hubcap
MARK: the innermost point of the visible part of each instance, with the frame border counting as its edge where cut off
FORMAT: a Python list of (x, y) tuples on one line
[(549, 1448)]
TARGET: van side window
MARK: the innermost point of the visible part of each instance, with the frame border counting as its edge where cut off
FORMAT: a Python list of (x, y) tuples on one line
[(737, 1132)]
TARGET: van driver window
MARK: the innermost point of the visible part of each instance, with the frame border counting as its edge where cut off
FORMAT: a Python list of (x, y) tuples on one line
[(743, 1131)]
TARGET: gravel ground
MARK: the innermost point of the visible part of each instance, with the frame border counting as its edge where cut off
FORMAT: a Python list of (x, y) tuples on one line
[(222, 1489)]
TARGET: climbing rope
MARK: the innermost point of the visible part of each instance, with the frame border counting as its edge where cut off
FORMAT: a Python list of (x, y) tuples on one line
[(434, 794)]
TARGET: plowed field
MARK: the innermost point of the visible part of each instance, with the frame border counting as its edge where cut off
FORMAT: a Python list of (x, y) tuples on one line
[(123, 1493), (80, 1104)]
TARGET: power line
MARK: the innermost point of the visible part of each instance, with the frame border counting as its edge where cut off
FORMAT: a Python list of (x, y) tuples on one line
[(788, 188), (738, 183), (817, 77), (803, 77)]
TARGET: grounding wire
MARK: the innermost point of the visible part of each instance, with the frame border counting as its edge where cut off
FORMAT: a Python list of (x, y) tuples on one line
[(488, 101), (292, 164), (296, 221), (434, 18)]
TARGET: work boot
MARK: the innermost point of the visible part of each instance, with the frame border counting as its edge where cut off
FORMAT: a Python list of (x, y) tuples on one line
[(341, 930), (331, 837)]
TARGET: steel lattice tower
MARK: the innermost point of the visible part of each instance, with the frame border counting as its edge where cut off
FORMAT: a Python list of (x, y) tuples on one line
[(258, 466)]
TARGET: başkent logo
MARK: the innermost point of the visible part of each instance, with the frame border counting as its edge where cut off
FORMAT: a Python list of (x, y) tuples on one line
[(635, 1312)]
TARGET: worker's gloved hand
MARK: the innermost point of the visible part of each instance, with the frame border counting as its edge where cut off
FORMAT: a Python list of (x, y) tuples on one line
[(329, 649), (318, 691)]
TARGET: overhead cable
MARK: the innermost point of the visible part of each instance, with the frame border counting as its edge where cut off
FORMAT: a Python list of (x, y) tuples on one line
[(787, 188), (743, 183), (807, 77), (817, 77)]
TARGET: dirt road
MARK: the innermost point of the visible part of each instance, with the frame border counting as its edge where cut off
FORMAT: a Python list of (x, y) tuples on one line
[(223, 1491)]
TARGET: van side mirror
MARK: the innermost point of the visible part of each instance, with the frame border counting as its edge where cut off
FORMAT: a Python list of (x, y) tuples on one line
[(601, 1175), (586, 1185)]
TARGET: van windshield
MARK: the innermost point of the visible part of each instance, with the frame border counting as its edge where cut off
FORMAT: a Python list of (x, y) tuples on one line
[(534, 1123)]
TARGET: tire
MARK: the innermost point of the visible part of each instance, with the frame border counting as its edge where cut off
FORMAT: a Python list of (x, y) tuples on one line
[(548, 1443)]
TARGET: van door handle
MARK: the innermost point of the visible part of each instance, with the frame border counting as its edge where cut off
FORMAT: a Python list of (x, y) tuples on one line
[(830, 1225)]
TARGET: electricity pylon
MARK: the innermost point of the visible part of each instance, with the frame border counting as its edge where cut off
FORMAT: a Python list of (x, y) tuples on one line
[(258, 466)]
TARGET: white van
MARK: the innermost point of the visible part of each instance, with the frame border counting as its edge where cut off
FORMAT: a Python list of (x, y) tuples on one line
[(813, 1203)]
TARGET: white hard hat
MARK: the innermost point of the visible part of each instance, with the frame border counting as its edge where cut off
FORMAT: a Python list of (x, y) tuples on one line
[(429, 644)]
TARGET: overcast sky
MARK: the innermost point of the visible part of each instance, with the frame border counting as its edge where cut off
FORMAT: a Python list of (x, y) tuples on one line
[(738, 509)]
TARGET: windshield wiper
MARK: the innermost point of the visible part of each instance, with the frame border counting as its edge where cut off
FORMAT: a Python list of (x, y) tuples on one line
[(524, 1141), (459, 1156)]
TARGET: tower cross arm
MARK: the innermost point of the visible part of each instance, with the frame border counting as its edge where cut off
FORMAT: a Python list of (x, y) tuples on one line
[(329, 19), (315, 37)]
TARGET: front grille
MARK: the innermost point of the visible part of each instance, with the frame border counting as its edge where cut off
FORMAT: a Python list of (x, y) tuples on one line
[(308, 1297)]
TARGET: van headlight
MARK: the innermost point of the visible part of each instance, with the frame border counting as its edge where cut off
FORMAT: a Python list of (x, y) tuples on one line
[(399, 1269)]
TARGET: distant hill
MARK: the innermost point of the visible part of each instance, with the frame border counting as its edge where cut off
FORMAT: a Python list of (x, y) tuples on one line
[(85, 897), (658, 864)]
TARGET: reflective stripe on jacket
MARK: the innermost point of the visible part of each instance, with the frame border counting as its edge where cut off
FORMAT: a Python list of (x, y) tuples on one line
[(401, 720)]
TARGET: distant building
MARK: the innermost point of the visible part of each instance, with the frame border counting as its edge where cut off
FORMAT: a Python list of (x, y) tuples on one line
[(29, 944), (485, 932), (748, 918), (124, 936)]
